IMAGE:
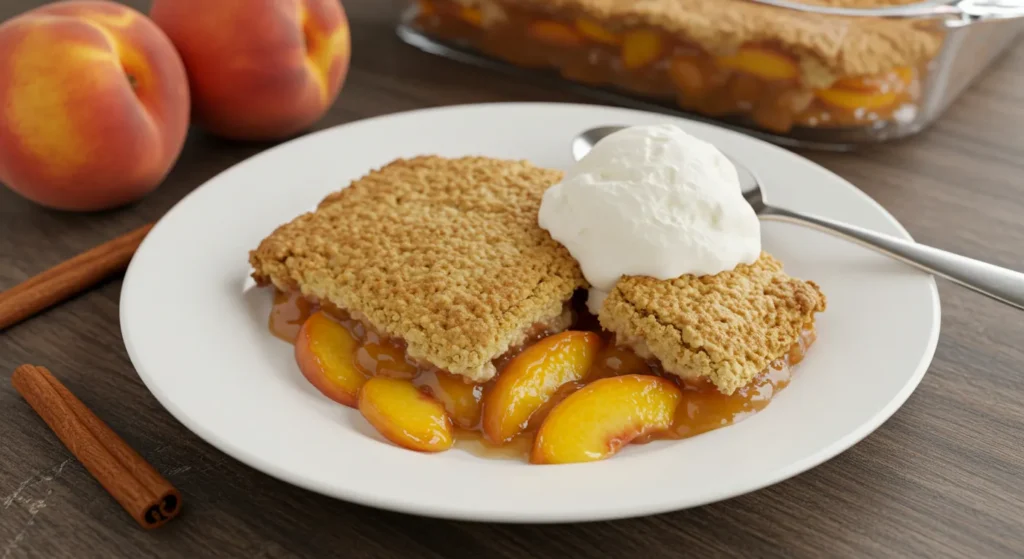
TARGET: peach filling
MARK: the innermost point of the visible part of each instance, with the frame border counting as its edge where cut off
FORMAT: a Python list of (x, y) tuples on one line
[(572, 396), (759, 81)]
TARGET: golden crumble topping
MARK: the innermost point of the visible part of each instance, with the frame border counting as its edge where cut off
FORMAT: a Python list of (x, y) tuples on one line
[(728, 327), (445, 254)]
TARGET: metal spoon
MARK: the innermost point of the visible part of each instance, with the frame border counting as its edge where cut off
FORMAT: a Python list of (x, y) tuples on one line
[(1001, 284)]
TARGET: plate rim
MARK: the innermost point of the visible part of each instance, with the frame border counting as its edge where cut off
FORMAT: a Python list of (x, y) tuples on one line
[(443, 510)]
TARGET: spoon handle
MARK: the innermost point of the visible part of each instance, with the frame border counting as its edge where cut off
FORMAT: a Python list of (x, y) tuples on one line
[(1001, 284)]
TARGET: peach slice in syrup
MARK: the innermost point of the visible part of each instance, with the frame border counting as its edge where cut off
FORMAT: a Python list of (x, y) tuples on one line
[(406, 415), (325, 352), (532, 377), (598, 420)]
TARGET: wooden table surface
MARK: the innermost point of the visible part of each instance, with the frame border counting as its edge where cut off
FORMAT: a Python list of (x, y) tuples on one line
[(943, 478)]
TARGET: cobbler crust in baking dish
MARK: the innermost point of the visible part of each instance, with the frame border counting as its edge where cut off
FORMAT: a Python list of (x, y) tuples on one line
[(828, 47)]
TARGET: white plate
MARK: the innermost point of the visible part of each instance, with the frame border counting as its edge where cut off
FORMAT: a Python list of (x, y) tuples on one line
[(195, 328)]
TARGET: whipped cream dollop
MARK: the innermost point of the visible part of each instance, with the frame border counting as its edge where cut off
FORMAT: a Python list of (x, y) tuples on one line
[(651, 201)]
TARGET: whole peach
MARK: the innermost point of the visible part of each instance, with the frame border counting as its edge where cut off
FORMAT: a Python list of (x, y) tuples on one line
[(259, 69), (94, 105)]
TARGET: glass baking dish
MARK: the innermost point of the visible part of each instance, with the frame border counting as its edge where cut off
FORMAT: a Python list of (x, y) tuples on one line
[(827, 74)]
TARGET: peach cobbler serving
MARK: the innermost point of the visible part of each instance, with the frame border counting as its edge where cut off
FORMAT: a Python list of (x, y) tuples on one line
[(428, 296)]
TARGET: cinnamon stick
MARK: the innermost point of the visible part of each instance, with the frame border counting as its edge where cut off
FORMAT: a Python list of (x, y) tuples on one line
[(149, 498), (68, 278)]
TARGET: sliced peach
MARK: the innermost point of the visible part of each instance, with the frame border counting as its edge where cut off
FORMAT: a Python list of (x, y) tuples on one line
[(762, 62), (460, 398), (325, 350), (640, 48), (563, 392), (687, 74), (598, 420), (851, 99), (554, 33), (896, 80), (532, 377), (596, 32), (381, 359), (405, 415), (472, 16), (868, 92)]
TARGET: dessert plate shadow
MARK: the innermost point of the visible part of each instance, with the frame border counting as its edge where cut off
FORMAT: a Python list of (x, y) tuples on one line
[(195, 329)]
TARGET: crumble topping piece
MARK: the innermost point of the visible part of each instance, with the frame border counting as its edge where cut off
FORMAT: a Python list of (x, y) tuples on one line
[(444, 254), (727, 328)]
